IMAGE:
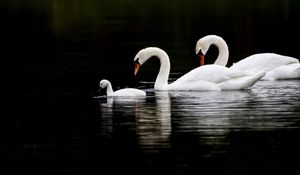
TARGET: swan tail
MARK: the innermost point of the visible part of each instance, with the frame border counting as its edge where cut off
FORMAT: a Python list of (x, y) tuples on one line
[(291, 71), (242, 82)]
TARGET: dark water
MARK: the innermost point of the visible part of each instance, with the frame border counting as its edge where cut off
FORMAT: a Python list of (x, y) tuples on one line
[(230, 132), (54, 52)]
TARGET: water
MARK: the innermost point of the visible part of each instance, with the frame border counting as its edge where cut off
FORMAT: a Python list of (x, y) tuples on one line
[(54, 53), (220, 110), (240, 132)]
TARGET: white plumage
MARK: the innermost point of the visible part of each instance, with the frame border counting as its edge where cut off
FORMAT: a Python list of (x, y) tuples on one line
[(276, 66), (208, 77), (132, 92)]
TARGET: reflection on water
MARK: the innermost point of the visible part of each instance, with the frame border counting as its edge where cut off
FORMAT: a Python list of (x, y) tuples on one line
[(240, 132), (152, 117), (154, 126), (267, 106)]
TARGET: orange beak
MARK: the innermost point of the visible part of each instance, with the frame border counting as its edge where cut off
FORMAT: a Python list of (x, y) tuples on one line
[(201, 59), (136, 68)]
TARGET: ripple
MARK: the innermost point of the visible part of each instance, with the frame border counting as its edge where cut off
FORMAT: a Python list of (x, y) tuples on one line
[(269, 105)]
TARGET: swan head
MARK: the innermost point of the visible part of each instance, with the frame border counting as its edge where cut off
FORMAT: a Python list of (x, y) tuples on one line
[(143, 55), (139, 59), (137, 65), (103, 83), (202, 47), (204, 43)]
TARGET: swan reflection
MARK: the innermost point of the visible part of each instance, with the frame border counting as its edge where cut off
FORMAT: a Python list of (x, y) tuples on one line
[(151, 118), (154, 122), (119, 109), (269, 105), (210, 116)]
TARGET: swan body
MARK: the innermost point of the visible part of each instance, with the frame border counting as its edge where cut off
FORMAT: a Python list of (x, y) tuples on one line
[(276, 66), (132, 92), (208, 77)]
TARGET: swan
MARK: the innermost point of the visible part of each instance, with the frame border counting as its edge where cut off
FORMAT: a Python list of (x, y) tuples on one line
[(208, 77), (122, 92), (276, 66)]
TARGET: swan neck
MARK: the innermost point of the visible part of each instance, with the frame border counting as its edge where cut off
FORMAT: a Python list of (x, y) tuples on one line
[(161, 81), (223, 51), (109, 90)]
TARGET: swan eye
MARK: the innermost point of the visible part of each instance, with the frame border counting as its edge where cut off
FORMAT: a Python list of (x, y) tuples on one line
[(200, 52), (137, 61), (102, 84)]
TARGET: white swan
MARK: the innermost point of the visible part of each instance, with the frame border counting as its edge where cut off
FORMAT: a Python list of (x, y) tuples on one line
[(276, 66), (122, 92), (208, 77)]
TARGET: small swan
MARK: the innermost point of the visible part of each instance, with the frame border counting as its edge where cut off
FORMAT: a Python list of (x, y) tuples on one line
[(208, 77), (122, 92), (276, 66)]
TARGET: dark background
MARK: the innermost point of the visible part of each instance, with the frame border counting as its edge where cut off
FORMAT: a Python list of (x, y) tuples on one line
[(54, 52), (70, 45)]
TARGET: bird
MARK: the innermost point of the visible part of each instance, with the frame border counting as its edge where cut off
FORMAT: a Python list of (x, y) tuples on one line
[(208, 77), (275, 66), (132, 92)]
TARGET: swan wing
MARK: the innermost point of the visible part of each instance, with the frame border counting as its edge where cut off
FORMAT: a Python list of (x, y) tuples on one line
[(243, 82), (290, 71), (215, 77), (262, 62), (210, 73), (200, 85)]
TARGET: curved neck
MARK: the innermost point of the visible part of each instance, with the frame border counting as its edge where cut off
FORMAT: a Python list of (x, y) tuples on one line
[(223, 51), (109, 90), (161, 81), (205, 42)]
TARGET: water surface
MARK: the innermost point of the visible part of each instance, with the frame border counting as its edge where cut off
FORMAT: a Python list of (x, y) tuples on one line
[(239, 132), (55, 52)]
